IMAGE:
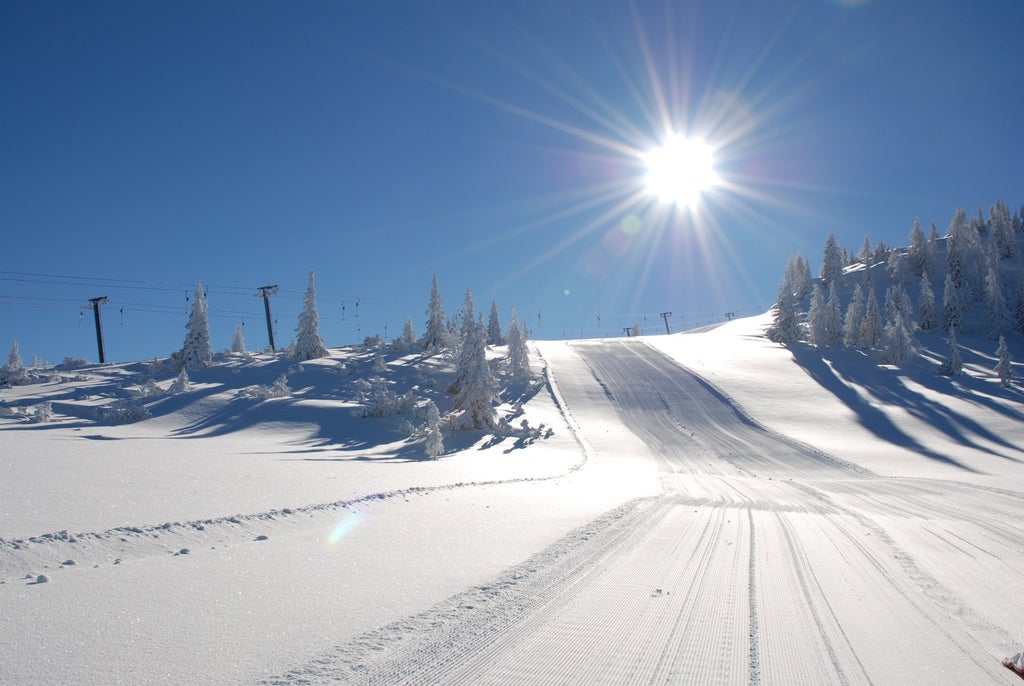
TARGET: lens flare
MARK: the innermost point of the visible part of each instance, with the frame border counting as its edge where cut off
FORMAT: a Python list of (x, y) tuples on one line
[(348, 522)]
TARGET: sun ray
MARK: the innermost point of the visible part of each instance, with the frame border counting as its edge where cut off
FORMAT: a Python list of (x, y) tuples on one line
[(619, 209), (505, 106), (612, 119), (721, 137), (600, 195), (654, 79)]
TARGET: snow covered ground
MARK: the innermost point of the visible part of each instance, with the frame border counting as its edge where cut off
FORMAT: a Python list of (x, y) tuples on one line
[(711, 508)]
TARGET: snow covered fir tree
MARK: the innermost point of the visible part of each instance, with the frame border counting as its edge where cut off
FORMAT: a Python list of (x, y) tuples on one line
[(976, 267), (434, 443), (435, 333), (13, 373), (475, 392), (518, 356), (308, 344), (494, 336), (238, 339), (196, 351), (1004, 364)]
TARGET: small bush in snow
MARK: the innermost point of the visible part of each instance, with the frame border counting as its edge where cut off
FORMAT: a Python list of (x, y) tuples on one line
[(149, 389), (524, 434), (278, 390), (524, 430), (408, 428), (182, 384), (74, 363), (123, 412), (238, 340), (1004, 365), (386, 403), (434, 445), (372, 342), (42, 413)]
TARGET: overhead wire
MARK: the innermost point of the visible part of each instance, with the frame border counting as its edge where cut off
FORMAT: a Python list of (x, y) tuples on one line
[(164, 286), (348, 304)]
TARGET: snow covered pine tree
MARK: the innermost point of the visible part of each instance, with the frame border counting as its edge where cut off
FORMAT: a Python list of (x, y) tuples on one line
[(433, 337), (308, 344), (196, 352), (475, 396)]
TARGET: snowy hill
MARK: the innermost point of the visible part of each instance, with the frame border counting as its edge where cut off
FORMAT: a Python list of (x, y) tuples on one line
[(708, 508)]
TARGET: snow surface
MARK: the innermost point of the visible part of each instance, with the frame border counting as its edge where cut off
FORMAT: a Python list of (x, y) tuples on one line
[(711, 508)]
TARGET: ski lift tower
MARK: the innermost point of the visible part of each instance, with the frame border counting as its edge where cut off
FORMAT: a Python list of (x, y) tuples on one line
[(266, 292)]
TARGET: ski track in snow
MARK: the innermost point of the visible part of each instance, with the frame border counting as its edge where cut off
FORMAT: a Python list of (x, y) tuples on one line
[(763, 561)]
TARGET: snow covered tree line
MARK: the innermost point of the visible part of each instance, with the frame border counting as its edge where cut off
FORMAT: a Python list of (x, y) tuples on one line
[(462, 342), (465, 339), (981, 279), (196, 351)]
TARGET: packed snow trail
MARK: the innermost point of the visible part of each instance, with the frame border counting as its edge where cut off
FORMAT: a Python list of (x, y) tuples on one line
[(763, 561)]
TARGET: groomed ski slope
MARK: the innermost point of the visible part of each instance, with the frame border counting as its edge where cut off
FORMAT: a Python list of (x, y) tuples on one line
[(732, 526), (761, 561)]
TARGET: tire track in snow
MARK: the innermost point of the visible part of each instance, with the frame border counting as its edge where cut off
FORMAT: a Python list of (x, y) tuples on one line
[(947, 602), (121, 544), (20, 556), (423, 649), (697, 610), (926, 599), (755, 630), (825, 619), (479, 668), (648, 382), (647, 596), (602, 615), (943, 609)]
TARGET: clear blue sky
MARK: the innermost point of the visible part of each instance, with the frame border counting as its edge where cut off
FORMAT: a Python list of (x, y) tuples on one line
[(145, 146)]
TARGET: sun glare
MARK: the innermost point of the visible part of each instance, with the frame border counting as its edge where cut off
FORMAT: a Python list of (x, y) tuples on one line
[(681, 170)]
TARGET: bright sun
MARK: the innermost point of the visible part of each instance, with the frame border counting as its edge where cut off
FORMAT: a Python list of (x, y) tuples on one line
[(681, 170)]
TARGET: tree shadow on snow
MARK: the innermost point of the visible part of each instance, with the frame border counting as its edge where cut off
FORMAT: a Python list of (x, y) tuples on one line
[(842, 371)]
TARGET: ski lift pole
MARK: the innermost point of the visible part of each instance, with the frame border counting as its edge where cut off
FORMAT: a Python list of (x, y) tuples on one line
[(266, 292), (95, 303), (665, 316)]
